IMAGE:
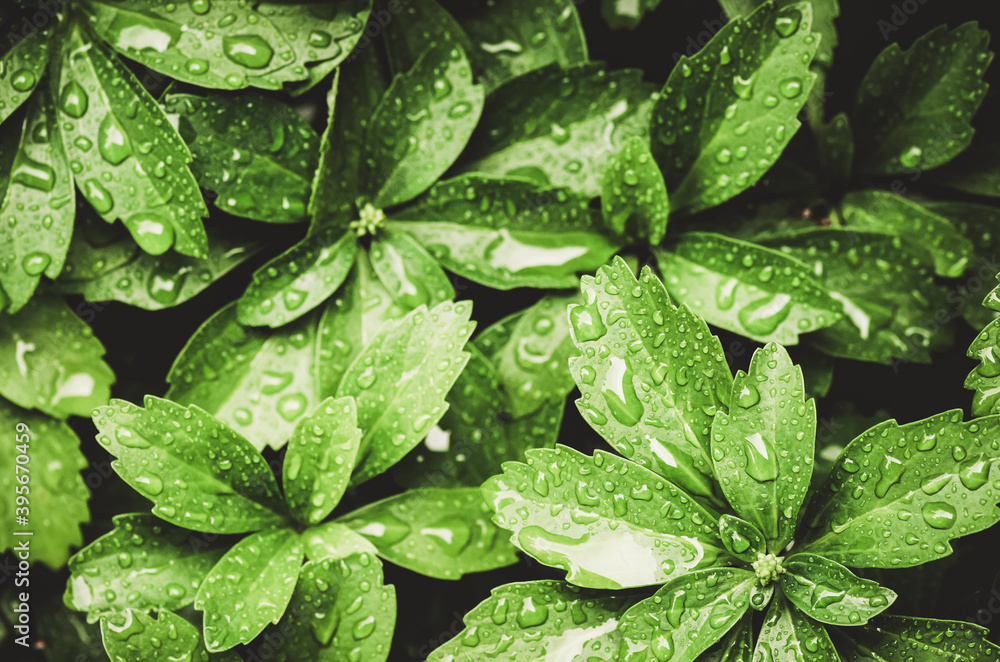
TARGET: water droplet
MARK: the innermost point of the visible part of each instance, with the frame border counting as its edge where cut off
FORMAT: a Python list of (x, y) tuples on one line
[(33, 174), (197, 66), (788, 23), (619, 393), (73, 99), (35, 263), (824, 595), (531, 615), (291, 406), (763, 316), (149, 484), (200, 6), (98, 196), (974, 473), (939, 515), (749, 396), (153, 234), (587, 323), (319, 39), (248, 50), (743, 87), (23, 80), (762, 462), (911, 157), (890, 473), (790, 88)]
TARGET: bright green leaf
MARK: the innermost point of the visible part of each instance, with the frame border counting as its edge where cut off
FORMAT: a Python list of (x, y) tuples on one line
[(408, 272), (894, 638), (634, 198), (830, 593), (23, 65), (789, 635), (824, 13), (96, 248), (134, 636), (333, 539), (741, 538)]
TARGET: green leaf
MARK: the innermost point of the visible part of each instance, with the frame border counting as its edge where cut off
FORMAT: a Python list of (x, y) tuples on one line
[(24, 65), (257, 154), (249, 587), (835, 148), (340, 611), (51, 361), (506, 233), (920, 229), (38, 208), (199, 473), (606, 521), (634, 198), (225, 47), (133, 164), (746, 287), (298, 280), (441, 533), (259, 382), (824, 13), (514, 38), (134, 636), (57, 496), (320, 458), (726, 114), (400, 379), (686, 616), (333, 539), (830, 593), (976, 170), (414, 27), (155, 282), (143, 563), (788, 634), (536, 622), (914, 107), (420, 127), (892, 638), (96, 248), (623, 14), (558, 127), (627, 346), (899, 493), (984, 379), (741, 538), (762, 449), (888, 294), (408, 272), (737, 645)]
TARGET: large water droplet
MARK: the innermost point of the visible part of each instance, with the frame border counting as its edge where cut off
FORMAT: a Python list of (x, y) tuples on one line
[(248, 50), (112, 142), (974, 473), (33, 174), (762, 317), (939, 515), (587, 323), (890, 473), (73, 99), (98, 196), (762, 463), (619, 392)]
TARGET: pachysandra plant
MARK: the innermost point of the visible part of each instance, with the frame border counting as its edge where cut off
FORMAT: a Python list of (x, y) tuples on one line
[(707, 502), (248, 554)]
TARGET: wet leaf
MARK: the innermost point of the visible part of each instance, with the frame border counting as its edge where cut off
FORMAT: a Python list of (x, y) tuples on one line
[(143, 563), (320, 458), (558, 127), (23, 66), (627, 334), (340, 611), (726, 114), (788, 634), (741, 538), (737, 645), (985, 378), (830, 593), (96, 248), (38, 208), (51, 361), (892, 638), (127, 160), (506, 233), (336, 540), (400, 380), (419, 127), (824, 13), (408, 272), (746, 287), (198, 473), (686, 616), (259, 382), (626, 14), (976, 170), (134, 636), (899, 493), (609, 523), (249, 587), (540, 621), (898, 118), (414, 27), (442, 533), (762, 448), (835, 148), (257, 154), (57, 494), (634, 198), (298, 280)]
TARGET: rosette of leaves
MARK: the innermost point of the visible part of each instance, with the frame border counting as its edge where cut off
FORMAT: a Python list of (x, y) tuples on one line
[(223, 535), (707, 502), (91, 124)]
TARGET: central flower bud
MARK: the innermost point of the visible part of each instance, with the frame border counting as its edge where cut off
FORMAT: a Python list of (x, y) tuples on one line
[(370, 221), (768, 568)]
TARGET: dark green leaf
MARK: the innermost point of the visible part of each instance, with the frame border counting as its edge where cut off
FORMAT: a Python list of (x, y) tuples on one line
[(558, 127), (835, 148), (976, 170), (634, 198), (541, 621), (763, 448), (895, 638), (817, 370), (627, 346), (626, 13), (24, 64), (790, 636), (737, 645), (257, 154), (914, 107), (726, 114), (320, 458), (506, 233), (134, 636), (419, 128), (51, 361), (258, 382), (824, 13), (39, 206), (143, 563), (686, 616), (298, 280), (609, 523), (741, 538), (409, 274), (340, 611), (249, 587), (57, 495), (199, 474), (128, 161), (899, 493), (747, 288), (400, 380), (984, 379), (412, 27), (97, 248), (442, 533), (830, 593)]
